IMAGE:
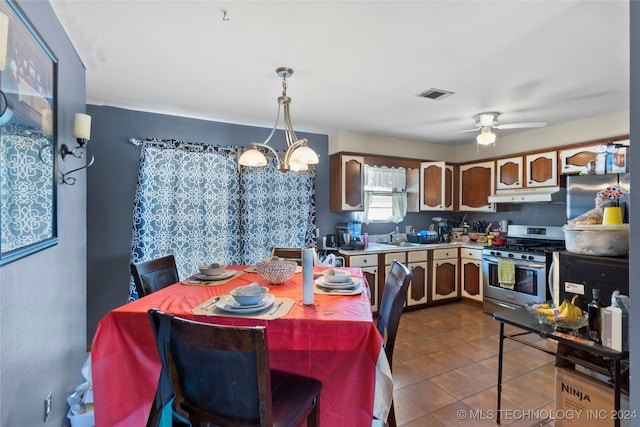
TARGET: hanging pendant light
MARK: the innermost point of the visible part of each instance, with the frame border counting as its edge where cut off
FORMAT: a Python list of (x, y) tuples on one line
[(298, 155)]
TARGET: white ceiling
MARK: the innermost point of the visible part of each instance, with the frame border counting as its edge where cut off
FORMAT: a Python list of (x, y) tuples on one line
[(358, 64)]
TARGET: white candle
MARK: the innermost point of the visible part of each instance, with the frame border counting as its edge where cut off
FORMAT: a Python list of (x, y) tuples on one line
[(82, 126), (307, 276)]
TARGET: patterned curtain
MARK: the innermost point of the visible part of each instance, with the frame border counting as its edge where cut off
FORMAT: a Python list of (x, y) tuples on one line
[(195, 202)]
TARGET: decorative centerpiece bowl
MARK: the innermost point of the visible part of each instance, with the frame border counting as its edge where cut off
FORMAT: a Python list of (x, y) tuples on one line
[(276, 270)]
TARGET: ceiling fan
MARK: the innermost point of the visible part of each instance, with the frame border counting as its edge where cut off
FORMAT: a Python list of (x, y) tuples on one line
[(489, 120)]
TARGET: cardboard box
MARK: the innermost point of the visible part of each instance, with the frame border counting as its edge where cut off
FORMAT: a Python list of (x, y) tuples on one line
[(620, 160), (585, 402)]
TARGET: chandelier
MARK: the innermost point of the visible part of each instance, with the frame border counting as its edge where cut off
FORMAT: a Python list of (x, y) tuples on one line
[(298, 156)]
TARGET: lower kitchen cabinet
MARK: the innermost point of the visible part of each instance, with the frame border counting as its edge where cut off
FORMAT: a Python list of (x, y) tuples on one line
[(471, 273), (418, 292), (445, 274), (369, 266)]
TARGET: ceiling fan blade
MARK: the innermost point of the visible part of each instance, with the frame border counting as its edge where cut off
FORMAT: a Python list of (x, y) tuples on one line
[(468, 130), (521, 125)]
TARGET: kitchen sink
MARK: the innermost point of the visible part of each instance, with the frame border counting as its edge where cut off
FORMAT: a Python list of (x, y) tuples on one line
[(404, 244)]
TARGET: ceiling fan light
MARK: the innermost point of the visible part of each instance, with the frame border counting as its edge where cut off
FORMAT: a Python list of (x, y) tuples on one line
[(486, 137), (253, 158)]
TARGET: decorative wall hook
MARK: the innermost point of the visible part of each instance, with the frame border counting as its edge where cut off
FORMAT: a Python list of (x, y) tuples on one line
[(82, 133)]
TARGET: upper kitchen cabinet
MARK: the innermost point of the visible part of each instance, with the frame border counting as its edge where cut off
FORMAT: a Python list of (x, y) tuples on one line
[(509, 173), (436, 186), (541, 169), (476, 185), (573, 160), (346, 183)]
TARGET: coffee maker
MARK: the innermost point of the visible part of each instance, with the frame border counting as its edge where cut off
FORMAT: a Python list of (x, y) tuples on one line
[(349, 235)]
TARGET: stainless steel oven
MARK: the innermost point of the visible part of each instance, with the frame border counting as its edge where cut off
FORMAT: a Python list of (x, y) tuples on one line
[(531, 249)]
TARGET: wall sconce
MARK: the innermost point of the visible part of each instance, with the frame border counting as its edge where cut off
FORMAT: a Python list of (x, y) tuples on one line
[(82, 133)]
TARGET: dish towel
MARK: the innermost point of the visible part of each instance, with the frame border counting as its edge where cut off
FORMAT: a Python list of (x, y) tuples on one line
[(506, 273)]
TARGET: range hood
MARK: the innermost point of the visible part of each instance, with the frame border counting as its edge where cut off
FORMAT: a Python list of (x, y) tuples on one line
[(530, 195)]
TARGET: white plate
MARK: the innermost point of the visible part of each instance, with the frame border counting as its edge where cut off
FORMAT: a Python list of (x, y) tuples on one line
[(342, 285), (357, 289), (224, 275), (228, 303)]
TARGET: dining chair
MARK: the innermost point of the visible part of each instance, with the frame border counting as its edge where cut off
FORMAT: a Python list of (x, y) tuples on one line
[(220, 375), (394, 296), (150, 276), (293, 254)]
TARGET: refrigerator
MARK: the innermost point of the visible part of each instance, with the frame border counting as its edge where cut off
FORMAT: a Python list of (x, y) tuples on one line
[(579, 274), (582, 191)]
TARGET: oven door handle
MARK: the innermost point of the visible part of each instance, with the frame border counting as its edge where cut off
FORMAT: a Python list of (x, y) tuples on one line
[(517, 263), (536, 266)]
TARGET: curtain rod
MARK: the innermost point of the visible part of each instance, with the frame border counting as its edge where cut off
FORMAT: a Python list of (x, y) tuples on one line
[(138, 142)]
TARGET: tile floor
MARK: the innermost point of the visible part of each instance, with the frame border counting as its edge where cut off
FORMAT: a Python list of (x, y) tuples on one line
[(446, 363)]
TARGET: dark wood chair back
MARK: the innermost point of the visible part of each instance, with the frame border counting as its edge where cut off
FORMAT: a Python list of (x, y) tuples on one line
[(394, 296), (156, 274), (293, 254), (221, 375)]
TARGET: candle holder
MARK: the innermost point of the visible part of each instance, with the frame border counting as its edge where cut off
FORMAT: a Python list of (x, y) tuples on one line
[(82, 133)]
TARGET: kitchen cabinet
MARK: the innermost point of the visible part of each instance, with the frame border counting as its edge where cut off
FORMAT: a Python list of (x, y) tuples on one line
[(346, 183), (573, 160), (369, 266), (418, 292), (436, 186), (444, 274), (471, 273), (476, 185), (509, 173), (413, 189), (541, 169)]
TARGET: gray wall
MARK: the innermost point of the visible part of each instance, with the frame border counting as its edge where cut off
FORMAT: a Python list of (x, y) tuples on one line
[(43, 296), (112, 182), (634, 249)]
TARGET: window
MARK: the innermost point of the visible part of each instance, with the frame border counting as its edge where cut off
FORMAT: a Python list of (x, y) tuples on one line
[(385, 197)]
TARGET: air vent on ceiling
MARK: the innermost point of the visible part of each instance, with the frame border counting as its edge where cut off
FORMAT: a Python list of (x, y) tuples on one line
[(435, 94)]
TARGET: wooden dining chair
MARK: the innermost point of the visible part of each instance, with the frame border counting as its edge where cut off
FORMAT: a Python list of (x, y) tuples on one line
[(394, 296), (220, 375), (156, 274), (293, 254)]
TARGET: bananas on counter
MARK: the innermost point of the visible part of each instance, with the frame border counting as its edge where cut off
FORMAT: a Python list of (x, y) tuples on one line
[(567, 312)]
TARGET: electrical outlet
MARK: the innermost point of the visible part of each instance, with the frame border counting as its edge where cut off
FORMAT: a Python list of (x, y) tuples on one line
[(47, 406)]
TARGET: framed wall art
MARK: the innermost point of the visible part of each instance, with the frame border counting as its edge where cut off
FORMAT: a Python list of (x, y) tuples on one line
[(28, 113)]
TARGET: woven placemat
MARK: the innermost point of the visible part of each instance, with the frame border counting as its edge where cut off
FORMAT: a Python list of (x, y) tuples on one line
[(325, 291), (193, 280), (283, 305)]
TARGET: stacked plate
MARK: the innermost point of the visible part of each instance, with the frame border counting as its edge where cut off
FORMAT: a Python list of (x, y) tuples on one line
[(247, 299), (334, 279), (221, 275)]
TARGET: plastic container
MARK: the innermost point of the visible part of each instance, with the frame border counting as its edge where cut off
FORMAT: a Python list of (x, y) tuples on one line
[(82, 420), (599, 240)]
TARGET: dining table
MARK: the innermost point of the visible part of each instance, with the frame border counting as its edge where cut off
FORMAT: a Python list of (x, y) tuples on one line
[(333, 339)]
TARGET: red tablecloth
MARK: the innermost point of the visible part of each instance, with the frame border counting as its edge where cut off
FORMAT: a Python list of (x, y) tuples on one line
[(334, 341)]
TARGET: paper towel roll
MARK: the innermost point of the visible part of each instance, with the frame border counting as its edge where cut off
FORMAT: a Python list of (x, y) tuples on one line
[(307, 276)]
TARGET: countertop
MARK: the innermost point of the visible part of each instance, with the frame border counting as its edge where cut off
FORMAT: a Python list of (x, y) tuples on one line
[(378, 248)]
